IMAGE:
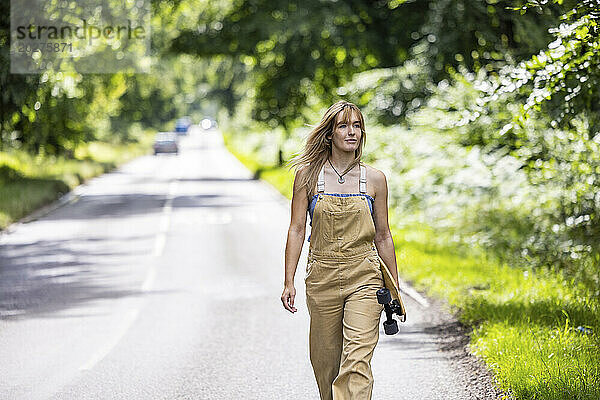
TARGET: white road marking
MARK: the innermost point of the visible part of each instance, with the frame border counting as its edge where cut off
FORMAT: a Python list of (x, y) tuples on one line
[(149, 281), (165, 220), (159, 245), (406, 288), (103, 352), (10, 313)]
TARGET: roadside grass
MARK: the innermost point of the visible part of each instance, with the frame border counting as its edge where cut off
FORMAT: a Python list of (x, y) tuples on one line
[(28, 182), (535, 330), (279, 177), (525, 323), (17, 199)]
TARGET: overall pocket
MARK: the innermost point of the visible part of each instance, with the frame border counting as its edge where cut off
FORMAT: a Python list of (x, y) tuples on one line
[(342, 225), (375, 265), (309, 268)]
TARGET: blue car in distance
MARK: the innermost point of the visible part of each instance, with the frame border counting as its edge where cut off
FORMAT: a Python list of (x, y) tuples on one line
[(182, 125)]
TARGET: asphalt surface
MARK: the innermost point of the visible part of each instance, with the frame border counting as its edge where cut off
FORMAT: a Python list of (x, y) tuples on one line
[(162, 280)]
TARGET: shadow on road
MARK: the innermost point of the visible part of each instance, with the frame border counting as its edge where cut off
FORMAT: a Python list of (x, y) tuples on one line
[(42, 278)]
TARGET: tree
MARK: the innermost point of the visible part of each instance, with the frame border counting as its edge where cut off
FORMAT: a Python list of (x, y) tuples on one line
[(293, 50)]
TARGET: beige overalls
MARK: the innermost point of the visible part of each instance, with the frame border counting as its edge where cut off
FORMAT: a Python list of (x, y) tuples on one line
[(343, 275)]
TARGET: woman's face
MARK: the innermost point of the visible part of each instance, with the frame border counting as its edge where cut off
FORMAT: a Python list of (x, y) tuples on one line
[(346, 134)]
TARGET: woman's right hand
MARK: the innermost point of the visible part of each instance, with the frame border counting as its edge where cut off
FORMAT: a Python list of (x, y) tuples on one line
[(287, 298)]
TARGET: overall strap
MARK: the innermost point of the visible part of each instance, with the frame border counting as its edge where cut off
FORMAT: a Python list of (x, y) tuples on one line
[(362, 186), (321, 181)]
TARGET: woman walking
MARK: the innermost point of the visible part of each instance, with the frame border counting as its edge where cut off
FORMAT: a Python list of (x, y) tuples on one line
[(349, 239)]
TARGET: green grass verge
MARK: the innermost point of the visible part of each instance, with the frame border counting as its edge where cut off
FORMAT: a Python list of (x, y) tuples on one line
[(28, 182), (279, 177), (525, 324)]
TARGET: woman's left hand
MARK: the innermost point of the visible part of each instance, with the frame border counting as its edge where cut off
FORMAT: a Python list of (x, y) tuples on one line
[(287, 298)]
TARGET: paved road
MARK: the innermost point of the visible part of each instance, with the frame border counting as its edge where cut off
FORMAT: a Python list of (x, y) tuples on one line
[(161, 280)]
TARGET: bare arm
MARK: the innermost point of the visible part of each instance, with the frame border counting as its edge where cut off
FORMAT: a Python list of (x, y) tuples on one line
[(295, 240), (383, 236)]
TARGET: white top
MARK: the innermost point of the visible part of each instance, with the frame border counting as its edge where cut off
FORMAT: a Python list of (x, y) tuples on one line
[(362, 183)]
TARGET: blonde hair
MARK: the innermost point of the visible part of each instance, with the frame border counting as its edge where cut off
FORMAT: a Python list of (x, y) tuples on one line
[(318, 145)]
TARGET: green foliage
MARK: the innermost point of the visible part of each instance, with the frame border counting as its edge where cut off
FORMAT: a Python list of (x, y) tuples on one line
[(389, 94), (294, 52), (526, 191), (8, 174), (52, 113), (543, 114), (563, 79)]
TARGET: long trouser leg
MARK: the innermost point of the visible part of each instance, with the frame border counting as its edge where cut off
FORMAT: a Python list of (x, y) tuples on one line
[(361, 333), (325, 341)]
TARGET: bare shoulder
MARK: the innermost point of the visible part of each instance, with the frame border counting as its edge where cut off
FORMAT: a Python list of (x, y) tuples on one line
[(299, 177), (376, 178), (300, 172)]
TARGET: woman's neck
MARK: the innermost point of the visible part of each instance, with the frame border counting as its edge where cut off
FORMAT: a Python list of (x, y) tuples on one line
[(341, 160)]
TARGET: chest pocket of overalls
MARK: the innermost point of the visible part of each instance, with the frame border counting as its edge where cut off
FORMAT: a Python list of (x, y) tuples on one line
[(342, 225)]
